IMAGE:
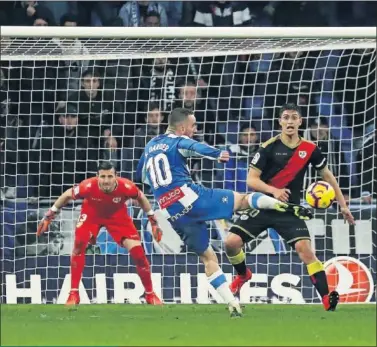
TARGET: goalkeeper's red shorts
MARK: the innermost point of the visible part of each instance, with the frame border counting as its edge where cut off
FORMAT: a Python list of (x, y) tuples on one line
[(85, 230)]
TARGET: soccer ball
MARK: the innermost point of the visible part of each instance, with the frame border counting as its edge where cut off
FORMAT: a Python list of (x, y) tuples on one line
[(320, 195)]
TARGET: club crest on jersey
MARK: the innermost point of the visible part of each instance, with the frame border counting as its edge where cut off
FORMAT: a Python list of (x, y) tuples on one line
[(117, 200), (302, 154), (224, 199)]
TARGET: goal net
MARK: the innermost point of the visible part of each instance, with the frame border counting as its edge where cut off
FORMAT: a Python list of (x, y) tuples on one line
[(73, 96)]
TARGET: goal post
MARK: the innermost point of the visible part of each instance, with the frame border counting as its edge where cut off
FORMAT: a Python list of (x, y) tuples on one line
[(71, 96), (122, 43)]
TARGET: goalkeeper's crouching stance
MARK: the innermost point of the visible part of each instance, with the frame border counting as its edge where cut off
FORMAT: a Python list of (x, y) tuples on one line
[(104, 206)]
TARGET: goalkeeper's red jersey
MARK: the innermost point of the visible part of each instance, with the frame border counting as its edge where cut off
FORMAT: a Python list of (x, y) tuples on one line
[(101, 207)]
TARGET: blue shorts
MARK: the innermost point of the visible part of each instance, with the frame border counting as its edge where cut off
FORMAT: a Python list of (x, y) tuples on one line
[(191, 226)]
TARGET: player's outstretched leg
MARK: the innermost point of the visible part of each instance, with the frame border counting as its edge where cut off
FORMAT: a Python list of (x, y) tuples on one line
[(143, 269), (262, 201), (317, 274), (236, 256), (77, 268), (218, 281)]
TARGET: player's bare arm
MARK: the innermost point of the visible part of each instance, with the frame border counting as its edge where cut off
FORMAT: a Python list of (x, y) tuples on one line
[(254, 181), (328, 176), (147, 208), (50, 215)]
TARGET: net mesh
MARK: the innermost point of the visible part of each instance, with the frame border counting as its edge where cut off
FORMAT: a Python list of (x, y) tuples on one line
[(64, 107), (46, 48)]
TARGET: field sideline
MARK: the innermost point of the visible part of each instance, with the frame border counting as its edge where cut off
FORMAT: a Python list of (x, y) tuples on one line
[(187, 325)]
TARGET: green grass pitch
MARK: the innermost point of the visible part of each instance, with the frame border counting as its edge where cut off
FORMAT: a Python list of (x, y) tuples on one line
[(187, 325)]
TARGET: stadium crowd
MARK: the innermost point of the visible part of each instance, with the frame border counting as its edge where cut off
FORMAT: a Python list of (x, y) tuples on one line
[(59, 118)]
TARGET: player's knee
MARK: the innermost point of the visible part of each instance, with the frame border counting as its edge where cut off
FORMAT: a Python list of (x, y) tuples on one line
[(305, 251), (233, 242), (129, 243), (208, 256), (240, 201)]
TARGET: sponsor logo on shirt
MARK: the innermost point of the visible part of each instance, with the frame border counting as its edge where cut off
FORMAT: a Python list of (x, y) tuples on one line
[(117, 200), (170, 197), (181, 214)]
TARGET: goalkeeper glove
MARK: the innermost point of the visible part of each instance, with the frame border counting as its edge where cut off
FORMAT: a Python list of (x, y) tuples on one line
[(156, 231), (47, 219)]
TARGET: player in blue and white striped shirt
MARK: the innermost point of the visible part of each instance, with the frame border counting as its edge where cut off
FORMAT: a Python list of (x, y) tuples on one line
[(187, 205)]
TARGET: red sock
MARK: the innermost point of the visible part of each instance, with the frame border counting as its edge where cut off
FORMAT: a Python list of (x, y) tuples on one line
[(142, 267), (77, 267)]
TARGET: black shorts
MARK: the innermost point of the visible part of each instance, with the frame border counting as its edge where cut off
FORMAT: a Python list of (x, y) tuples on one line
[(253, 222)]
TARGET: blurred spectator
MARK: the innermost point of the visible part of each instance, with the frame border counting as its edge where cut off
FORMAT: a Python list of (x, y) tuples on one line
[(355, 82), (97, 13), (291, 80), (98, 112), (237, 168), (71, 70), (40, 85), (193, 98), (26, 12), (298, 13), (58, 7), (133, 13), (153, 126), (66, 155), (222, 14), (173, 10), (355, 13), (42, 16), (188, 12), (319, 133), (157, 83), (69, 20), (4, 19), (221, 70), (366, 161), (152, 19), (11, 149)]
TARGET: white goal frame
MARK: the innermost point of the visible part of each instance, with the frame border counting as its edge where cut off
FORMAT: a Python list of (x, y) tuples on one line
[(126, 42)]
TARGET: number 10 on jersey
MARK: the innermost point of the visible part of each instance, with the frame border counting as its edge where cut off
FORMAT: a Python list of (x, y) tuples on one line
[(159, 171)]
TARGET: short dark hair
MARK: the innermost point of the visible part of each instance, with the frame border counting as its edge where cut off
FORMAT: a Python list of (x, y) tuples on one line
[(178, 115), (68, 17), (106, 165), (90, 72), (152, 105), (290, 107), (153, 14), (247, 125), (44, 13)]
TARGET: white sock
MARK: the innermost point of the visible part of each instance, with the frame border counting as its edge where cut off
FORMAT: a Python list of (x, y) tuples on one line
[(219, 282), (261, 201)]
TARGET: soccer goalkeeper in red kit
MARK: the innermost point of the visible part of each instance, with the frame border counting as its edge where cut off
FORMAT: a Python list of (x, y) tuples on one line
[(104, 206)]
